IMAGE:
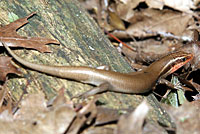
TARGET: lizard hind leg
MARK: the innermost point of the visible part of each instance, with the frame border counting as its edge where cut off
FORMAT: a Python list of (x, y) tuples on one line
[(96, 90)]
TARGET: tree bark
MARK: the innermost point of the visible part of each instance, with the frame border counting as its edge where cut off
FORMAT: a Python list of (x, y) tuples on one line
[(82, 43)]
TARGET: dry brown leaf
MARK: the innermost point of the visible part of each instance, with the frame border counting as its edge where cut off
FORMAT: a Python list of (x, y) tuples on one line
[(59, 99), (6, 109), (115, 21), (99, 130), (181, 5), (55, 121), (35, 118), (147, 50), (125, 8), (9, 36), (106, 115), (152, 22), (191, 84), (89, 108), (90, 4), (6, 67), (133, 123), (155, 3), (3, 92), (186, 117), (76, 125), (153, 128), (193, 48), (52, 122), (31, 105)]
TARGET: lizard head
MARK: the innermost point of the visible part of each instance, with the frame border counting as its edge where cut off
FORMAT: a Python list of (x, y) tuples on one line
[(170, 63)]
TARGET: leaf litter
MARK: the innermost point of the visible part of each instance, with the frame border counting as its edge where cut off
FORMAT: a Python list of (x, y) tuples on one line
[(9, 36)]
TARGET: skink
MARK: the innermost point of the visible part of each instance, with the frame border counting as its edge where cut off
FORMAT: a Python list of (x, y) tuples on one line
[(137, 82)]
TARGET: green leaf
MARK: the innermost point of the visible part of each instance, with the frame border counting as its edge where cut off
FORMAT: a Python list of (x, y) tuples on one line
[(175, 98), (12, 17), (171, 99), (181, 97)]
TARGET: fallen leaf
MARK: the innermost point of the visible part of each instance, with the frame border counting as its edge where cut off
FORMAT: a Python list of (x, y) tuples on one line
[(191, 84), (115, 21), (186, 117), (106, 115), (7, 108), (34, 116), (85, 114), (100, 130), (89, 108), (59, 99), (90, 4), (133, 123), (153, 128), (124, 8), (3, 92), (76, 125), (6, 67), (159, 4), (151, 22), (31, 105), (9, 36), (193, 48), (56, 121), (181, 5)]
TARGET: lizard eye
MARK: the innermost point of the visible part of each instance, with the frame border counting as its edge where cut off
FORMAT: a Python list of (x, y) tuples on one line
[(184, 59)]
